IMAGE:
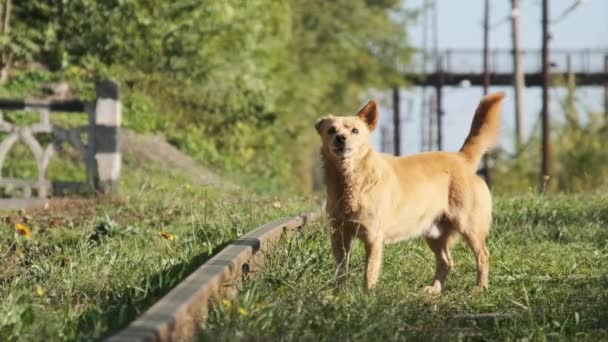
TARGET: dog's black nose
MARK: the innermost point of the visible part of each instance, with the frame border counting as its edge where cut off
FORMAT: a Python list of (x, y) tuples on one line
[(340, 139)]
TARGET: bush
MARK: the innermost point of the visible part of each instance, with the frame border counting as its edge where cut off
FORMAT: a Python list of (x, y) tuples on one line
[(580, 159)]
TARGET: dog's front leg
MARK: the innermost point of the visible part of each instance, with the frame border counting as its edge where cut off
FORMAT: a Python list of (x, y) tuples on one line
[(373, 262), (341, 241)]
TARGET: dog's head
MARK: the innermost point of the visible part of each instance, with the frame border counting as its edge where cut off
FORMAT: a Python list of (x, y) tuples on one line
[(348, 136)]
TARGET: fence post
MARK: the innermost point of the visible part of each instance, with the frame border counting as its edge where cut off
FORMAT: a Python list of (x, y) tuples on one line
[(606, 90), (105, 138)]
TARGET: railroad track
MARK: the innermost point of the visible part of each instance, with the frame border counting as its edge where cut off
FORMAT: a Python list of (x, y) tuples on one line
[(179, 315)]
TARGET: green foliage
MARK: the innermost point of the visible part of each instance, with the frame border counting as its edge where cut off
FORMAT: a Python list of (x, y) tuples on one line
[(25, 84), (580, 152), (579, 158), (18, 42), (235, 82)]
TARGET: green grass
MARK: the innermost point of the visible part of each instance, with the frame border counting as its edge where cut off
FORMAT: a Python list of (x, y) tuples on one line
[(548, 281), (93, 265)]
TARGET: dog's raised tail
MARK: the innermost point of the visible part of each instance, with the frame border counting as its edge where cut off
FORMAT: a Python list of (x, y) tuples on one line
[(484, 129)]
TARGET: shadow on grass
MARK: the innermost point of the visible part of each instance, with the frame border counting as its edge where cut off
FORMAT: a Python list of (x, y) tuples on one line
[(564, 309), (121, 306)]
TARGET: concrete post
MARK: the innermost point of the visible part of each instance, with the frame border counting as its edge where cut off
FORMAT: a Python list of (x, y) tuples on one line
[(105, 138)]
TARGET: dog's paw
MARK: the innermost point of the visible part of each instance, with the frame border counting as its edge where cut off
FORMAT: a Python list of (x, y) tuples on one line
[(371, 288), (479, 289), (432, 290)]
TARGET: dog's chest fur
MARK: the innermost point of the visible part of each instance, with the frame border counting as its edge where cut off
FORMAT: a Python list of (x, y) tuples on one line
[(349, 187), (364, 196)]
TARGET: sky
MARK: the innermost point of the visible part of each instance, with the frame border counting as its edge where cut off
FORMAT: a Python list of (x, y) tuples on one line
[(460, 26)]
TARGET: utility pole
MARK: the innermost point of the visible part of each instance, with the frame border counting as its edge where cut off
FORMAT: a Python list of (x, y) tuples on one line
[(518, 75), (431, 141), (439, 65), (396, 123), (486, 48), (424, 120), (606, 91), (570, 77), (486, 77), (383, 139), (546, 142), (438, 105)]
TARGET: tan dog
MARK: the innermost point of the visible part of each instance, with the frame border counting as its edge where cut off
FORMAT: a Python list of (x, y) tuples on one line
[(380, 198)]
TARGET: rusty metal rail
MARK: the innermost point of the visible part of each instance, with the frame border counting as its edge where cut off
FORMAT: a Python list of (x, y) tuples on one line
[(453, 66)]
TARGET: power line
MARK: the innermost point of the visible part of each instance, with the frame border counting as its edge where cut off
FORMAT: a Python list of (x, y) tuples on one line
[(559, 18), (568, 11)]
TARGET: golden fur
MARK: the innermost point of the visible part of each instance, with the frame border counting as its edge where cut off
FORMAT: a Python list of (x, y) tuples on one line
[(380, 198)]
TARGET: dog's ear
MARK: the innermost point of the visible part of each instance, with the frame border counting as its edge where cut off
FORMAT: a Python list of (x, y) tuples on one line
[(369, 115), (321, 123)]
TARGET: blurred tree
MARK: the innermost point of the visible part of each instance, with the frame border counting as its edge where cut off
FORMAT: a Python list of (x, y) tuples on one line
[(250, 74), (17, 41)]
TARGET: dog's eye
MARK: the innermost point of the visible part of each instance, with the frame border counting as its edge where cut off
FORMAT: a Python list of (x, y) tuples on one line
[(355, 131), (331, 131)]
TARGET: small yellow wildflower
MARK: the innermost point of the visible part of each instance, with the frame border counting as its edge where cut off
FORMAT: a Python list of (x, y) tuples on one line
[(243, 312), (226, 303), (39, 291), (276, 204), (23, 230), (167, 236)]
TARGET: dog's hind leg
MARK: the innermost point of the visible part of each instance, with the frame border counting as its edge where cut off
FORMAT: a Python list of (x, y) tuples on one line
[(341, 241), (477, 242), (441, 247)]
